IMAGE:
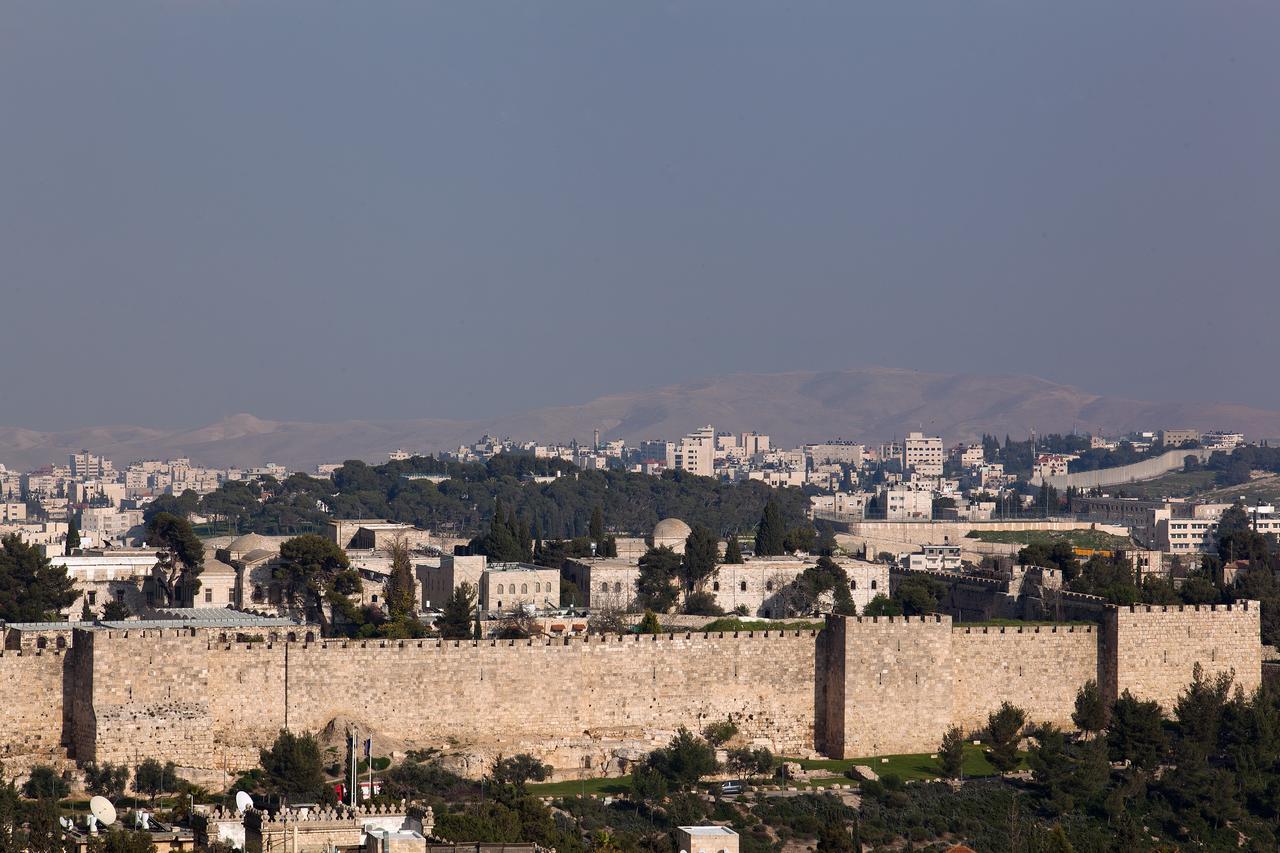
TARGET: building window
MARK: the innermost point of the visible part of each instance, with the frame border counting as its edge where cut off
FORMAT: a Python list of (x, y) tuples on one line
[(768, 586), (873, 583), (537, 587), (604, 587), (715, 586), (853, 584), (524, 588), (93, 599), (208, 596), (743, 586), (499, 589), (617, 587)]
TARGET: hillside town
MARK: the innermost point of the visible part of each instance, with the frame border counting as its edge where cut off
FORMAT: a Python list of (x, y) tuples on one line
[(557, 544), (587, 427)]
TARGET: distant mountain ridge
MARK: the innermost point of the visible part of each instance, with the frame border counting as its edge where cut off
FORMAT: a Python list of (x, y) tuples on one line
[(869, 404)]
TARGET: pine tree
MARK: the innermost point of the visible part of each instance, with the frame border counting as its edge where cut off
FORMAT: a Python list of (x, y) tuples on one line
[(733, 551), (771, 532)]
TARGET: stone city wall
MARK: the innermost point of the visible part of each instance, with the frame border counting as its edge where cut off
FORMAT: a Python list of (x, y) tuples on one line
[(30, 703), (1156, 647), (894, 685), (551, 697), (861, 687), (1038, 668)]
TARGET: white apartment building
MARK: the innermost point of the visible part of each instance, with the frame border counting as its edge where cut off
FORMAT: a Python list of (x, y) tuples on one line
[(936, 558), (900, 503), (922, 454), (970, 455), (696, 452), (1199, 534), (1050, 465), (100, 524), (88, 466), (839, 452), (753, 443), (839, 506)]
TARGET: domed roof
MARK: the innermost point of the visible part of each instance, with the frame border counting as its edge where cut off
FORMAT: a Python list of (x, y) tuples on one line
[(671, 528), (251, 542), (214, 566)]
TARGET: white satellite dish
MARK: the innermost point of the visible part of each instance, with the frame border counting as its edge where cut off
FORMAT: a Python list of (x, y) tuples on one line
[(244, 802), (66, 822), (101, 808)]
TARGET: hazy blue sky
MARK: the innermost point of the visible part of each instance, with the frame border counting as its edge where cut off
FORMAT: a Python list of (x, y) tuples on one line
[(318, 210)]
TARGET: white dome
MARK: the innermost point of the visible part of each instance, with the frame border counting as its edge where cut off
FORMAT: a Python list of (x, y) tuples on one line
[(669, 529), (251, 542)]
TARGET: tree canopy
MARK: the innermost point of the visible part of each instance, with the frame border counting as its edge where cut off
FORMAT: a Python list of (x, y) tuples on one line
[(32, 589)]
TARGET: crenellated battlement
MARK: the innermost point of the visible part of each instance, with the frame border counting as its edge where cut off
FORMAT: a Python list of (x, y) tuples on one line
[(1244, 605), (862, 685), (1025, 629), (593, 640)]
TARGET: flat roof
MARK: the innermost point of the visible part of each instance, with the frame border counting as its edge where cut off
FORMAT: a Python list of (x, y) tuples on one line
[(707, 830)]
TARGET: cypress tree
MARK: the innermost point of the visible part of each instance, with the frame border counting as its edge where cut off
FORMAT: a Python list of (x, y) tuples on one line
[(596, 529), (733, 551), (771, 532), (73, 537)]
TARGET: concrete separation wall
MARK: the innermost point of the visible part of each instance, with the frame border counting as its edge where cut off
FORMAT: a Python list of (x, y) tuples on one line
[(1147, 469)]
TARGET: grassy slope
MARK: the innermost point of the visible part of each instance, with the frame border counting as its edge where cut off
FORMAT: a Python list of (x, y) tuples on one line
[(1095, 539)]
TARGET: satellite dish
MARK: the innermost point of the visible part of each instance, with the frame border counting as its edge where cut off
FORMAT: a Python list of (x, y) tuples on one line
[(244, 802), (101, 808), (66, 822)]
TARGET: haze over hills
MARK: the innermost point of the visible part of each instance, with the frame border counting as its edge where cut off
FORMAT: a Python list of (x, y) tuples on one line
[(864, 404)]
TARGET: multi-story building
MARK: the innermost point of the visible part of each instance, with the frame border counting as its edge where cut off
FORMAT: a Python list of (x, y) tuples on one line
[(839, 506), (753, 443), (1050, 465), (843, 452), (658, 451), (936, 558), (900, 503), (1178, 437), (88, 466), (922, 454), (696, 452), (969, 455), (1198, 532), (501, 587), (1218, 440)]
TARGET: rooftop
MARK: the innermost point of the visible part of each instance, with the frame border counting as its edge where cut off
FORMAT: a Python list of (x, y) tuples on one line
[(708, 830)]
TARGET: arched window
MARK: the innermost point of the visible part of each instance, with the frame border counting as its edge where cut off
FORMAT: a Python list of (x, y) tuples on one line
[(537, 587), (853, 584), (604, 586), (617, 587), (715, 586), (873, 583), (61, 642), (768, 586), (41, 642), (524, 588), (499, 589), (311, 636), (743, 586)]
